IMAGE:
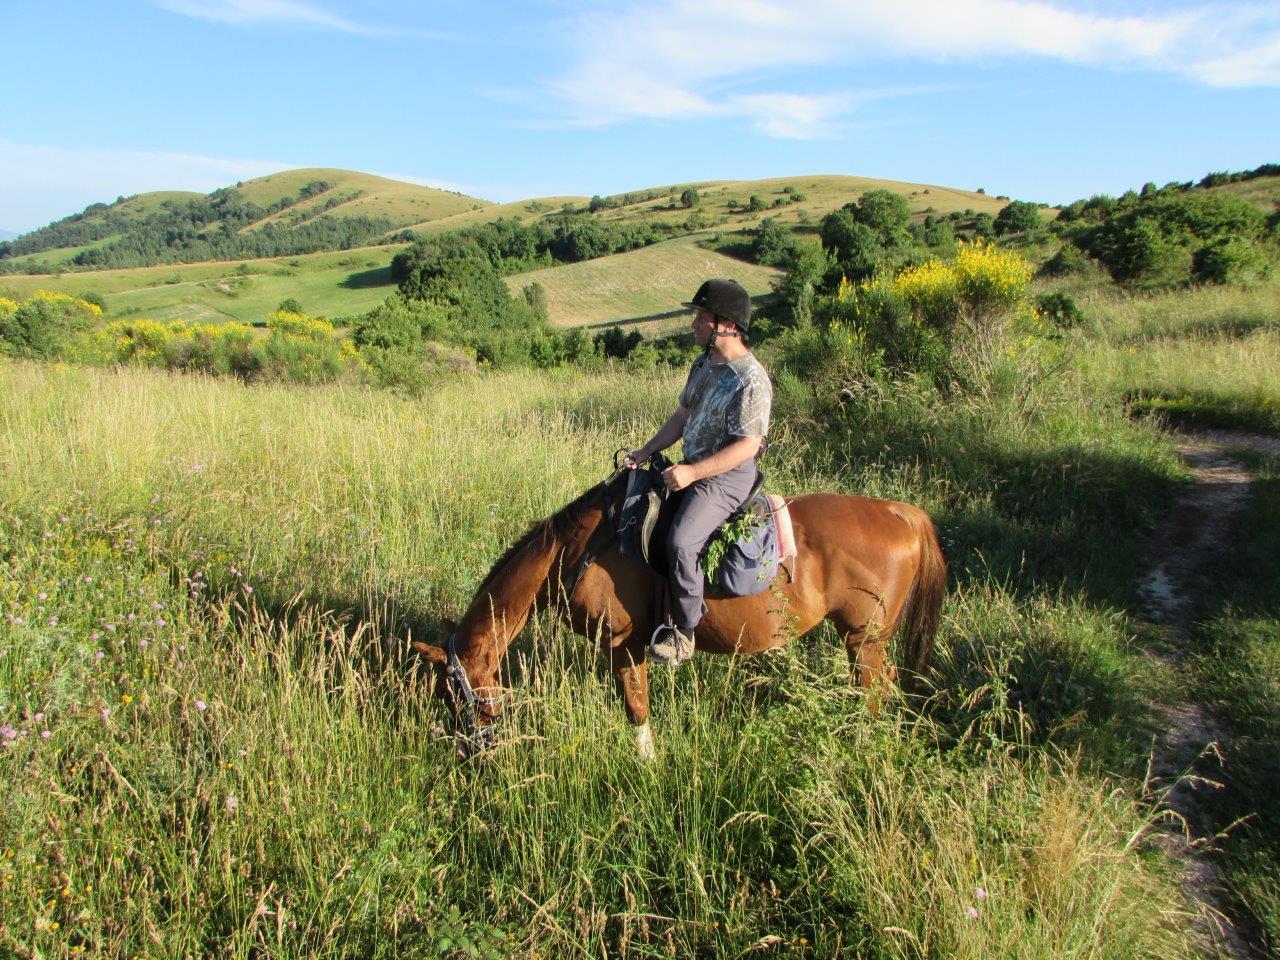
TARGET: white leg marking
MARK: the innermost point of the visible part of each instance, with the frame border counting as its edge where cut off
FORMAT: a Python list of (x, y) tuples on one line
[(644, 741)]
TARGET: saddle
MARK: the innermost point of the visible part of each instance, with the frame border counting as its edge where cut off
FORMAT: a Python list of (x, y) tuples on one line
[(748, 562)]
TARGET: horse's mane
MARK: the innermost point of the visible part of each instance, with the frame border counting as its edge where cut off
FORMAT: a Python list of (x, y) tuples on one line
[(558, 524)]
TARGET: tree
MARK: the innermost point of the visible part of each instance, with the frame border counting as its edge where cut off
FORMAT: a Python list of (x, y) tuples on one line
[(689, 198), (854, 246), (756, 202), (886, 213), (535, 295), (771, 243), (1017, 217)]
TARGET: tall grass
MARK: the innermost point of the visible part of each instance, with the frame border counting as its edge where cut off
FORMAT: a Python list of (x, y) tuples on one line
[(251, 768)]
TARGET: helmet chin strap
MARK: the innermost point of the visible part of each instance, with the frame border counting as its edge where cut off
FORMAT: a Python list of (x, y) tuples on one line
[(735, 333)]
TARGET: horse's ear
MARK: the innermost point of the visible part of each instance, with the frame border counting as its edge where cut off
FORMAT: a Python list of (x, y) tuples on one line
[(434, 654)]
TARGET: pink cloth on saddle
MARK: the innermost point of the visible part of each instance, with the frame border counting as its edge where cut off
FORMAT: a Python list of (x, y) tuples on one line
[(782, 522)]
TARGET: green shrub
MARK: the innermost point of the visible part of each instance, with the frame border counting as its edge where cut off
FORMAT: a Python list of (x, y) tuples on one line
[(45, 325), (1229, 260), (1059, 309), (1069, 260), (1017, 217)]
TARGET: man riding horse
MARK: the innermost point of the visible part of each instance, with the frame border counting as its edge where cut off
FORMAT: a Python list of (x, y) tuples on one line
[(722, 418)]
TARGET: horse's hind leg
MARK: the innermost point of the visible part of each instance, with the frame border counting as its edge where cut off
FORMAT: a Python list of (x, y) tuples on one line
[(869, 666), (631, 674)]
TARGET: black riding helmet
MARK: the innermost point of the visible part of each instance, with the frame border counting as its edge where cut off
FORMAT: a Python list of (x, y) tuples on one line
[(727, 299)]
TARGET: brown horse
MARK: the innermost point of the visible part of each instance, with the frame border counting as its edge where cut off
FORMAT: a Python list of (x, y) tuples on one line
[(869, 566)]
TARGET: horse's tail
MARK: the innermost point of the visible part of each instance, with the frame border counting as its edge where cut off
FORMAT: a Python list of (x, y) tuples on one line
[(921, 614)]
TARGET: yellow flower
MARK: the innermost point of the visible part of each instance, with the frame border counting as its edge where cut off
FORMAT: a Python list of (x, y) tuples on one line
[(126, 698)]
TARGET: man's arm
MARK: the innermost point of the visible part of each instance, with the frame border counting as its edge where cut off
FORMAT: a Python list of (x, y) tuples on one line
[(667, 434), (722, 461)]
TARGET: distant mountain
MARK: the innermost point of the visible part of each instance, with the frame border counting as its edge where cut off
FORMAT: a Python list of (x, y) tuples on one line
[(7, 235), (294, 212)]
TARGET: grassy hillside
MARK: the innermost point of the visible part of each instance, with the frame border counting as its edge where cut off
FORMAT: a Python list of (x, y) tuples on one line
[(642, 288), (402, 203), (336, 284)]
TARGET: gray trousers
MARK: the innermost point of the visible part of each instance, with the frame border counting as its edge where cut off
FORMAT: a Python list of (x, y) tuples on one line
[(707, 504)]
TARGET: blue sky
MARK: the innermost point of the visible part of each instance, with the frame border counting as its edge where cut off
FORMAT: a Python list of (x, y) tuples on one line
[(1048, 100)]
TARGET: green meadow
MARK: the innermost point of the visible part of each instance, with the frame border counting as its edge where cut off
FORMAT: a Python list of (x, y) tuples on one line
[(219, 743)]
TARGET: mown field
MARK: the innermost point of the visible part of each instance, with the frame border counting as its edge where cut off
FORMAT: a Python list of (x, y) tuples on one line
[(641, 289), (217, 745)]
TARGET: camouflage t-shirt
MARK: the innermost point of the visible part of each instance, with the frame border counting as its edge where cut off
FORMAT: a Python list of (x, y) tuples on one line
[(725, 401)]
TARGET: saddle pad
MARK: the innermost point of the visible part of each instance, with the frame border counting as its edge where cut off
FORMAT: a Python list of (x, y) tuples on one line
[(782, 523)]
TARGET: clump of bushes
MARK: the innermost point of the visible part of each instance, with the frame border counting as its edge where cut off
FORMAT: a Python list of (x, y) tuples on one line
[(948, 322), (295, 348), (1171, 236), (45, 326)]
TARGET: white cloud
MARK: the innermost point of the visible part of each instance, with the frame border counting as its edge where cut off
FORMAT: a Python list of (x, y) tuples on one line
[(44, 183), (691, 58), (264, 11)]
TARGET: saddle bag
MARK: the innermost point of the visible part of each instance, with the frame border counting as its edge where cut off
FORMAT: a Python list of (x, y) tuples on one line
[(748, 562)]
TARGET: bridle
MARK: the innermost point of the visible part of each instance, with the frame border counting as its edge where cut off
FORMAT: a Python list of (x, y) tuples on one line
[(475, 738)]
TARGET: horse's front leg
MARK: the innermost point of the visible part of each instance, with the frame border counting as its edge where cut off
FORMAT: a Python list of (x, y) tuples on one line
[(631, 674)]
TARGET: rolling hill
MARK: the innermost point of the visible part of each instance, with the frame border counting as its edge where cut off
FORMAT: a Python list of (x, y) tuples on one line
[(294, 212)]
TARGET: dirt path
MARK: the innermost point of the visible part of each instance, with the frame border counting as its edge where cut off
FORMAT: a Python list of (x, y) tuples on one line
[(1185, 754)]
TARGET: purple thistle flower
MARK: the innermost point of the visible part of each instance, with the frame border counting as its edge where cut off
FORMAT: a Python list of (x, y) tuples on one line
[(105, 713), (42, 595), (201, 706), (110, 628), (45, 734), (980, 894), (98, 656), (53, 621), (232, 802), (143, 643), (971, 913), (8, 733), (159, 621)]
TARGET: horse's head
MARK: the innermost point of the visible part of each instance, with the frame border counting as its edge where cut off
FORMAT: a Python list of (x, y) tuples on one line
[(473, 712)]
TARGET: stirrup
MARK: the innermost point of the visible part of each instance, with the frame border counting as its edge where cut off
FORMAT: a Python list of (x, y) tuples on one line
[(670, 644)]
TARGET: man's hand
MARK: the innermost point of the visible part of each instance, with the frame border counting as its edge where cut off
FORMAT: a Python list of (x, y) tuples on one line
[(679, 476), (633, 459)]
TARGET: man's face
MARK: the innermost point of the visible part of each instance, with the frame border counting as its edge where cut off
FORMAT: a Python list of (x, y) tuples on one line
[(704, 321)]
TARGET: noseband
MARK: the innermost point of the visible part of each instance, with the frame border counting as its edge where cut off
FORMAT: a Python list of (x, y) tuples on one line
[(475, 738)]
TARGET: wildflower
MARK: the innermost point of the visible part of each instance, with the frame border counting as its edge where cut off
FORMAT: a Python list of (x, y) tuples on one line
[(232, 802), (88, 579), (45, 734), (95, 636), (126, 698), (8, 733), (110, 628), (48, 534), (159, 621), (157, 606), (98, 655), (62, 519), (132, 617), (144, 643), (128, 544), (42, 595), (248, 589), (980, 894), (105, 713), (201, 706), (53, 621), (38, 718), (971, 913)]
